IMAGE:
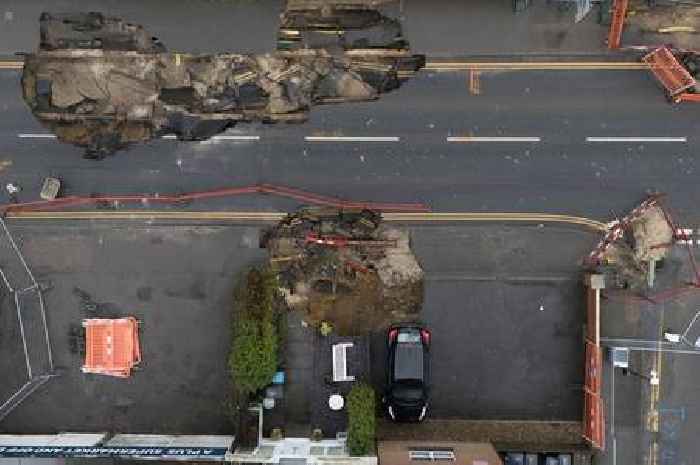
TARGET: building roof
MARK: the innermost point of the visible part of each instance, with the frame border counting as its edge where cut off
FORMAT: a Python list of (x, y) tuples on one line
[(465, 453), (54, 440)]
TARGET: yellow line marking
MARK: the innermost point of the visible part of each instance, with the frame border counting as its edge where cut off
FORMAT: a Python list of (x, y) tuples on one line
[(11, 64), (529, 66), (276, 216)]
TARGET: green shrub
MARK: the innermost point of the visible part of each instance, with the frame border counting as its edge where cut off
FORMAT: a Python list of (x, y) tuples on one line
[(361, 419), (253, 358)]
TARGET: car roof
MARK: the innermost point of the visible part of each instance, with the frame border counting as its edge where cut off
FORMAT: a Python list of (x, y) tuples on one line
[(408, 361)]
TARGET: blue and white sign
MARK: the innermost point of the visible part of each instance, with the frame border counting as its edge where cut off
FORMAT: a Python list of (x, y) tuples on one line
[(160, 453)]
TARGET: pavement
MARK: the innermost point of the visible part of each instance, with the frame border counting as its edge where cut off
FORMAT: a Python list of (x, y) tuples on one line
[(251, 26), (642, 418), (505, 308), (177, 280)]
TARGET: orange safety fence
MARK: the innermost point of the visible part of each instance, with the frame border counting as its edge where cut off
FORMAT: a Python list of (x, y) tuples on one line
[(593, 410), (304, 197), (594, 422), (688, 98), (594, 418), (111, 346), (669, 71), (617, 24)]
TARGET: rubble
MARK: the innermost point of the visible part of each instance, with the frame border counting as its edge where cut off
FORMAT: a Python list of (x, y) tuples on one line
[(679, 22), (345, 268), (645, 238), (103, 84)]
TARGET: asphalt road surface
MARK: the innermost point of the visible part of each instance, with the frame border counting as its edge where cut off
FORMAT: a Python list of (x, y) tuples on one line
[(556, 168)]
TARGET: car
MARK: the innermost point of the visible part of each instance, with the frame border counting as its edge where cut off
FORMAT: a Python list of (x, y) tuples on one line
[(408, 373)]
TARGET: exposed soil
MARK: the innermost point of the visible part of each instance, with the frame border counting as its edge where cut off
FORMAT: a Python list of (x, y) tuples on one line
[(357, 274)]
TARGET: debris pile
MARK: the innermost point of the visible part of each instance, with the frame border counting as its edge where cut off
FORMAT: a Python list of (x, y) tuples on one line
[(680, 21), (345, 268), (635, 244), (100, 83)]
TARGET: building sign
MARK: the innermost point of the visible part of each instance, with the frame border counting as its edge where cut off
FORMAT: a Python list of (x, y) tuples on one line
[(159, 453)]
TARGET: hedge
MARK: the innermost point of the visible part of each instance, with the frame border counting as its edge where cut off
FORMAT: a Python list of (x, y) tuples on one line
[(253, 358), (361, 419)]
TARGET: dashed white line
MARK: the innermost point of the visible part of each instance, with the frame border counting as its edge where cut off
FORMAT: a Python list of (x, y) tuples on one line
[(220, 137), (494, 139), (225, 137), (36, 136), (350, 139), (637, 139)]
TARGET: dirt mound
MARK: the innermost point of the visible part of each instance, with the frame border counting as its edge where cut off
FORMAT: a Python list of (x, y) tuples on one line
[(647, 237), (346, 268)]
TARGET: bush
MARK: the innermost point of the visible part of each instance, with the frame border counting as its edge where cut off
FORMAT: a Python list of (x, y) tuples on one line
[(253, 357), (361, 419)]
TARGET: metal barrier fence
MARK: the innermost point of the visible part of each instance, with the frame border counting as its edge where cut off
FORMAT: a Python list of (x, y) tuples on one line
[(28, 301)]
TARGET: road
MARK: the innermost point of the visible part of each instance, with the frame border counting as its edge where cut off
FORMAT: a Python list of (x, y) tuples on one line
[(559, 171)]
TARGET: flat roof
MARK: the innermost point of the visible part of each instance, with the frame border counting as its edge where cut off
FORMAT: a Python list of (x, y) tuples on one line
[(163, 440), (57, 440)]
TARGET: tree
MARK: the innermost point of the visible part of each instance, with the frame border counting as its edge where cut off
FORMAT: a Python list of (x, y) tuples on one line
[(361, 419)]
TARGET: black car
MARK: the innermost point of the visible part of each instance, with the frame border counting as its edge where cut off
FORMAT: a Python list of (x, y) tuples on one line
[(408, 375)]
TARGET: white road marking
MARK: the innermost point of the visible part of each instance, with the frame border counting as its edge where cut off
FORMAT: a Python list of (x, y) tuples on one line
[(636, 139), (225, 137), (494, 139), (350, 139), (220, 137), (36, 136)]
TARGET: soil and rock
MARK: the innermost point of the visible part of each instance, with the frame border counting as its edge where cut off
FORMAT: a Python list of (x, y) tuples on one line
[(647, 239), (101, 83), (679, 23), (345, 268)]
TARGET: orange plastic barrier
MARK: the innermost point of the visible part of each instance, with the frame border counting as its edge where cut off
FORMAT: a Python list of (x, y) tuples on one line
[(594, 422), (111, 346), (617, 24), (669, 71)]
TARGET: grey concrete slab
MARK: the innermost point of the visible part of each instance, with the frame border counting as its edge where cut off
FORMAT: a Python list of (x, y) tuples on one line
[(496, 355), (178, 281), (188, 26)]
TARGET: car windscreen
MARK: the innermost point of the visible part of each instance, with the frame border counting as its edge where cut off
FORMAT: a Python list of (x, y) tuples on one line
[(408, 362)]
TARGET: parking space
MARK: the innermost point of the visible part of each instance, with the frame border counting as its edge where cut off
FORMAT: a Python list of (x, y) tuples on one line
[(506, 350), (177, 281)]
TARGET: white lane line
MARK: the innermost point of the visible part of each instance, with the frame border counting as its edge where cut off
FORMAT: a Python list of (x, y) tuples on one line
[(224, 137), (637, 139), (350, 139), (36, 136), (221, 137), (494, 139)]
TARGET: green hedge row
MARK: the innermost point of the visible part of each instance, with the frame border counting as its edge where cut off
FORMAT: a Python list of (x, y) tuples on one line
[(361, 419)]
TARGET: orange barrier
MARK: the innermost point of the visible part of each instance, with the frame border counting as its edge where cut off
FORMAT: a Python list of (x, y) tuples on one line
[(305, 197), (593, 412), (688, 98), (669, 72), (111, 346), (617, 24)]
